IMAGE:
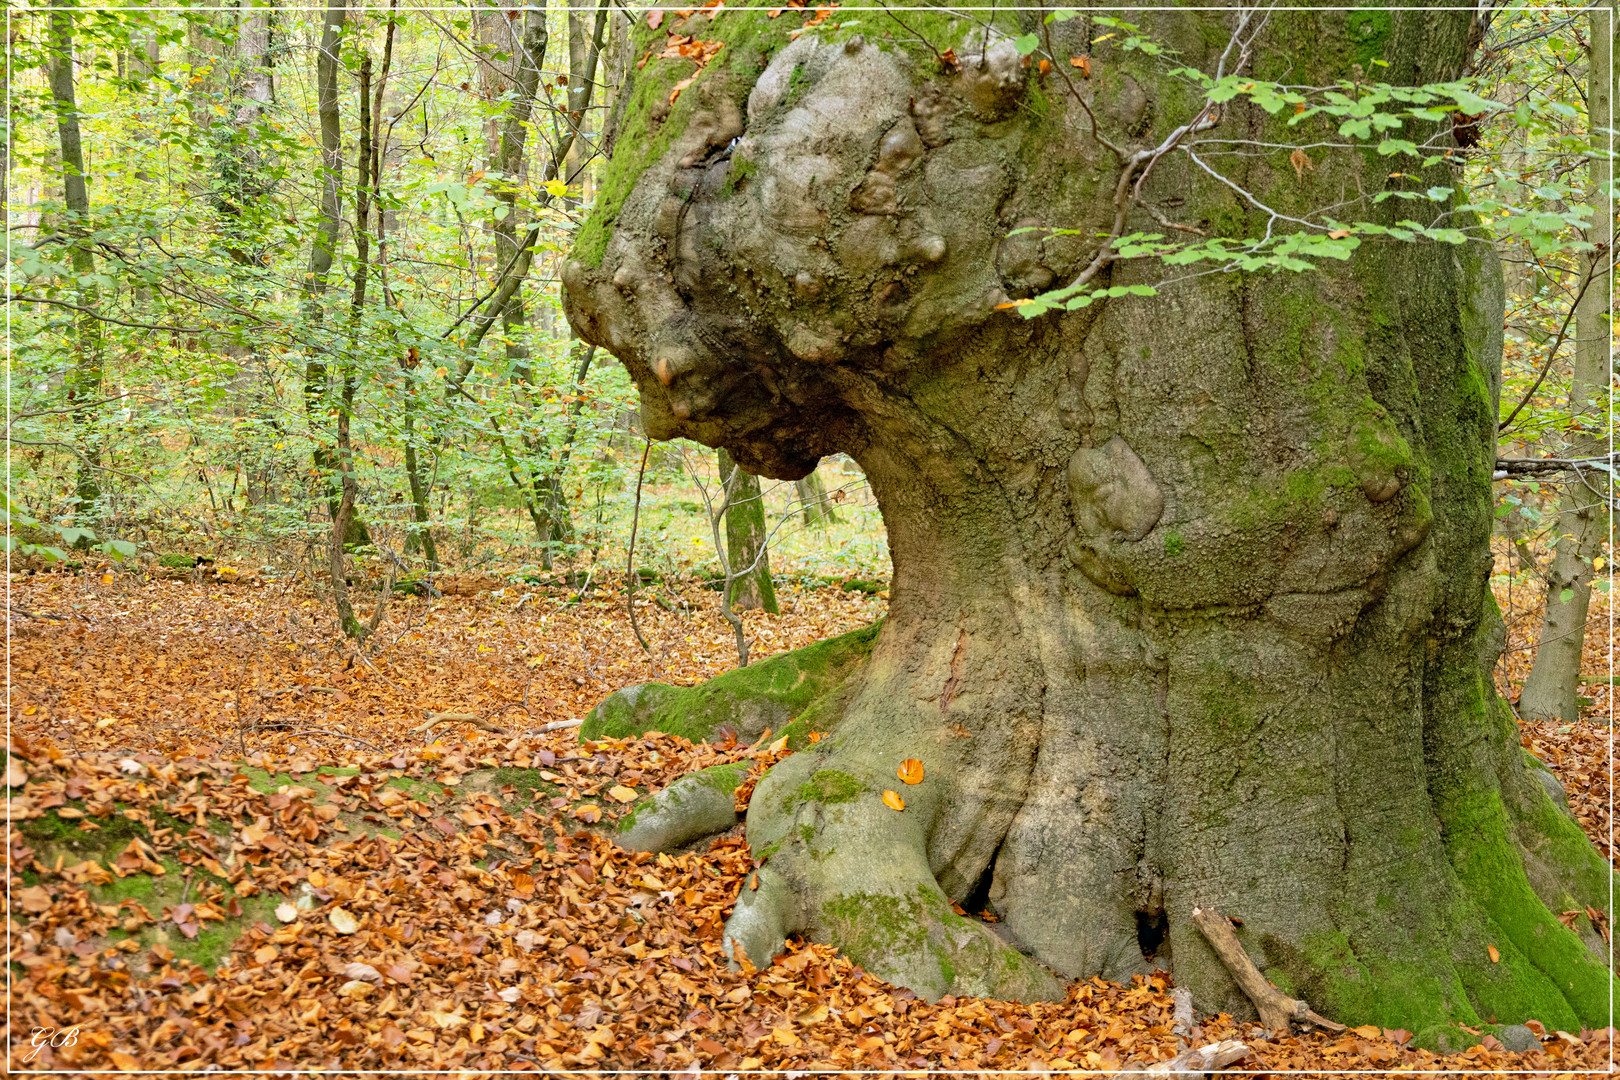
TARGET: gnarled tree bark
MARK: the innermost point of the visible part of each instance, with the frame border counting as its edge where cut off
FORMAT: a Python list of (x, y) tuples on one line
[(1189, 602)]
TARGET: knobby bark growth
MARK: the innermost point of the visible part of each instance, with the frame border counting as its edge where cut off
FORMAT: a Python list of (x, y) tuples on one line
[(1189, 602)]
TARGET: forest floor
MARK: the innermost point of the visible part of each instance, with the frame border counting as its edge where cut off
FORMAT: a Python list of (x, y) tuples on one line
[(229, 847)]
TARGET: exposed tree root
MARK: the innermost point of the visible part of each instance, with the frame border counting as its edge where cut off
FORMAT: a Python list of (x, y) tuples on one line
[(699, 804)]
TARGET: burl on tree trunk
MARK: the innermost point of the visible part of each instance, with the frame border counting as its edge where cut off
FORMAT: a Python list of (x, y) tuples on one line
[(1189, 600)]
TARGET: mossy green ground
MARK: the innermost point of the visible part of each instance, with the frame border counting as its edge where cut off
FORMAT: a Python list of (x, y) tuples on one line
[(765, 694), (68, 841)]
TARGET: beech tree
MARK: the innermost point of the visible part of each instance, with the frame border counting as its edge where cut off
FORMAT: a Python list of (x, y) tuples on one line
[(1189, 604)]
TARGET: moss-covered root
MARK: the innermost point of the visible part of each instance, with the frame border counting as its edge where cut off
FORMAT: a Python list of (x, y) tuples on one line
[(699, 804), (844, 868), (748, 700)]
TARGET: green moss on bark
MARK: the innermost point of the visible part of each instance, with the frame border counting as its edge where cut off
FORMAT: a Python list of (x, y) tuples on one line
[(827, 786), (930, 948), (763, 695)]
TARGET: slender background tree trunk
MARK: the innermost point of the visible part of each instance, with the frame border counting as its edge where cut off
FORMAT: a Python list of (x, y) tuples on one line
[(84, 382), (1584, 520), (746, 554)]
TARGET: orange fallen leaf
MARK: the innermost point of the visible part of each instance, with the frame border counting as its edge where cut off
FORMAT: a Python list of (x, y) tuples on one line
[(1496, 957), (893, 801), (910, 771), (1083, 63), (1368, 1031), (620, 793)]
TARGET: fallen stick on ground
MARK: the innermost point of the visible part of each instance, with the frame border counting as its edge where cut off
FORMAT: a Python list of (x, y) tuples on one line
[(1184, 1018), (557, 725), (1277, 1009), (474, 719), (323, 731), (1193, 1064)]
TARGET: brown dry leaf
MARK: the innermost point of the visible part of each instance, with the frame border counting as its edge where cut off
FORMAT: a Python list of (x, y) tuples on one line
[(286, 913), (33, 898), (893, 800), (910, 771), (1301, 161), (16, 773), (1368, 1031), (655, 18), (429, 893), (620, 793), (342, 921)]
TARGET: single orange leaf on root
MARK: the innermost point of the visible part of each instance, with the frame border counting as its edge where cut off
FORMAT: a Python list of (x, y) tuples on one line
[(893, 801), (910, 770)]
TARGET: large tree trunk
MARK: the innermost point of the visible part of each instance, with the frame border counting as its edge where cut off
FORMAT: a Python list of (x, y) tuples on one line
[(1583, 515), (1189, 601)]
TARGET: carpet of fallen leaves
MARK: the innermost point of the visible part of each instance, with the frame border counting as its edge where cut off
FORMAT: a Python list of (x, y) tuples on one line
[(428, 915)]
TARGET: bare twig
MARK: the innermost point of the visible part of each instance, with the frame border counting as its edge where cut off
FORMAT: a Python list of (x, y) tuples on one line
[(457, 718), (300, 690), (1563, 330), (1510, 467), (630, 575)]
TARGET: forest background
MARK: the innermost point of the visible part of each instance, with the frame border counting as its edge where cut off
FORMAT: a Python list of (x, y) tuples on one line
[(304, 463), (283, 297)]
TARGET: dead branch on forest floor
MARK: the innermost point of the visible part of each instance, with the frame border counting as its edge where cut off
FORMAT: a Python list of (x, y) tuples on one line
[(1193, 1064), (323, 731), (434, 720), (1276, 1008)]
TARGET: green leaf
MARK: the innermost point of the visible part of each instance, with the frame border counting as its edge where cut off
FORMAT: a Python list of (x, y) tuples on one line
[(1566, 596), (119, 549), (1027, 44)]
